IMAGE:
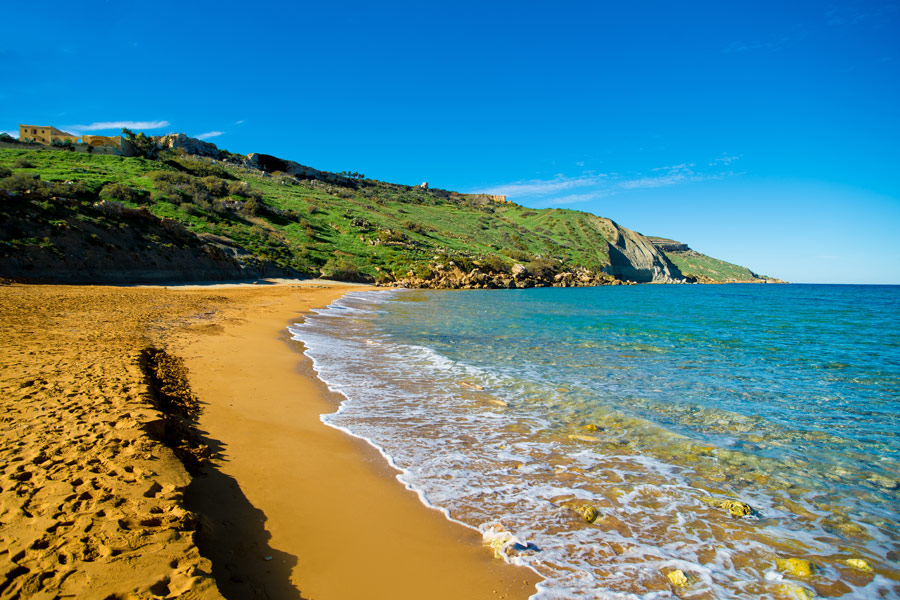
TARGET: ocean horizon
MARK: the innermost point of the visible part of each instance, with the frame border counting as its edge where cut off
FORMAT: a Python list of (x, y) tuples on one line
[(734, 441)]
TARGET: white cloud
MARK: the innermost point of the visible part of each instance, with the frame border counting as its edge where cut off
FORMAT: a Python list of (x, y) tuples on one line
[(592, 186), (14, 134), (724, 160), (208, 134), (239, 122), (104, 125)]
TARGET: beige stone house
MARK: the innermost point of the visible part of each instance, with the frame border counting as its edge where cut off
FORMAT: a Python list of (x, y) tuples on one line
[(45, 134)]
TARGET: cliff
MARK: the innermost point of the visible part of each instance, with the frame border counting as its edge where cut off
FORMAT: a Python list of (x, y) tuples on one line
[(187, 210)]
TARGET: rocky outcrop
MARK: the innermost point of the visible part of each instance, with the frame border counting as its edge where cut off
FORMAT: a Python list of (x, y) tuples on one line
[(179, 141), (272, 164), (453, 277), (632, 257)]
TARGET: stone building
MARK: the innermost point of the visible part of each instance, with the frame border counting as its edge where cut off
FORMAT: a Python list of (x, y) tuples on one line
[(111, 141), (45, 134)]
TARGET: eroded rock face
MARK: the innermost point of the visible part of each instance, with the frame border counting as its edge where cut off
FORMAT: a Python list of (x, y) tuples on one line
[(633, 257), (179, 141)]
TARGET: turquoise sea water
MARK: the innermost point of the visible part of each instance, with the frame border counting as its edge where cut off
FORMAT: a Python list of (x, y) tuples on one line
[(514, 411)]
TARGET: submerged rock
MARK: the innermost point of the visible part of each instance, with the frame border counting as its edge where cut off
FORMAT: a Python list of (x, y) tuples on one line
[(799, 567), (858, 564), (590, 513), (735, 508), (678, 578), (790, 591)]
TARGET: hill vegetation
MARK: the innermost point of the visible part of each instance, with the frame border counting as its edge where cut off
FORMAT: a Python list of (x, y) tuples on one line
[(77, 216)]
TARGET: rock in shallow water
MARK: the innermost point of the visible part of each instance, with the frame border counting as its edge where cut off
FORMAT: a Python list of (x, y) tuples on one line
[(799, 567), (678, 578), (590, 514), (858, 564)]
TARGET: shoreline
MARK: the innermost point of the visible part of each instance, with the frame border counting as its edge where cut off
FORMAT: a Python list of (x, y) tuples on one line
[(307, 510), (361, 519)]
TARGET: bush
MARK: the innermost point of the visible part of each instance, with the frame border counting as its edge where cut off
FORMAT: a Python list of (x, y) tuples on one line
[(65, 144), (542, 268), (23, 163), (215, 186), (199, 167), (20, 183), (122, 192), (4, 172), (493, 264), (414, 227), (143, 145), (341, 269)]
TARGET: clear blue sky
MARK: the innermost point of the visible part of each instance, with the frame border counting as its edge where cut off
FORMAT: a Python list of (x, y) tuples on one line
[(764, 133)]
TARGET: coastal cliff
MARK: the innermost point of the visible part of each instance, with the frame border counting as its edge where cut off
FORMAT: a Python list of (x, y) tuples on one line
[(181, 209)]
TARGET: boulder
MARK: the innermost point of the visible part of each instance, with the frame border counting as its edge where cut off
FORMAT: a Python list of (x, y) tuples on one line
[(179, 141)]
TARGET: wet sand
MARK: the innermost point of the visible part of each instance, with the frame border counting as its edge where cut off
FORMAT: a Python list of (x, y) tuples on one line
[(92, 506)]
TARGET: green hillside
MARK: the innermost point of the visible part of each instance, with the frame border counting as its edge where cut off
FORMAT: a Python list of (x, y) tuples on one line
[(58, 204), (701, 267)]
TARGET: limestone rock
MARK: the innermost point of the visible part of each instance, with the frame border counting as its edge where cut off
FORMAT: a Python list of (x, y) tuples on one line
[(519, 271), (789, 591), (179, 141), (590, 513), (678, 578), (633, 257), (735, 508), (799, 567), (858, 564)]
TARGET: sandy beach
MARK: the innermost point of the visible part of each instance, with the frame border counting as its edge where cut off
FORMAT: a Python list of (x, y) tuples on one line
[(94, 504)]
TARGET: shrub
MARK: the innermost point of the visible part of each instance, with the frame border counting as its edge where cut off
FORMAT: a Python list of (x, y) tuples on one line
[(4, 172), (341, 269), (120, 191), (542, 268), (215, 186), (143, 145), (21, 183), (493, 264), (23, 163), (199, 167), (414, 227)]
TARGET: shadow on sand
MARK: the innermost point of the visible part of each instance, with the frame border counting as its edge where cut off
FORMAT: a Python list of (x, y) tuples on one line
[(233, 536)]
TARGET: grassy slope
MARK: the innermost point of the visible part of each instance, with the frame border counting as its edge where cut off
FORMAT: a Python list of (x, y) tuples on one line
[(696, 264), (365, 227)]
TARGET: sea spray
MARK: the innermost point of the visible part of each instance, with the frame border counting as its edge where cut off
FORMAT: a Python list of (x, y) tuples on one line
[(656, 407)]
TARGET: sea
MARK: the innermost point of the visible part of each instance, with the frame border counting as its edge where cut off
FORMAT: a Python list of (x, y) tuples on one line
[(651, 441)]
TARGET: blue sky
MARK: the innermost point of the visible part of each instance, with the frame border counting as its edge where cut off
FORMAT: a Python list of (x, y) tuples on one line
[(763, 133)]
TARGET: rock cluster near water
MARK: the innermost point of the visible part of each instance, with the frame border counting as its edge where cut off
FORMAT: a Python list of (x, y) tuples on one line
[(519, 277)]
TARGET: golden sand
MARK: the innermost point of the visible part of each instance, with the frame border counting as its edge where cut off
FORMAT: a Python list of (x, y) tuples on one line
[(92, 506)]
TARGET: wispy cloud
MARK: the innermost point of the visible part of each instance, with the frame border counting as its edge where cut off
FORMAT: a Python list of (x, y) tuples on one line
[(592, 186), (853, 15), (208, 134), (770, 43), (239, 122), (14, 134), (104, 125), (725, 160)]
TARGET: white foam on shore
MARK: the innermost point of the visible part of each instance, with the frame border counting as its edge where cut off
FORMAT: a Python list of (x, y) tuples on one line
[(506, 471)]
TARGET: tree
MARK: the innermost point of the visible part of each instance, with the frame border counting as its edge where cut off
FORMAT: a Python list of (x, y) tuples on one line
[(143, 144)]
